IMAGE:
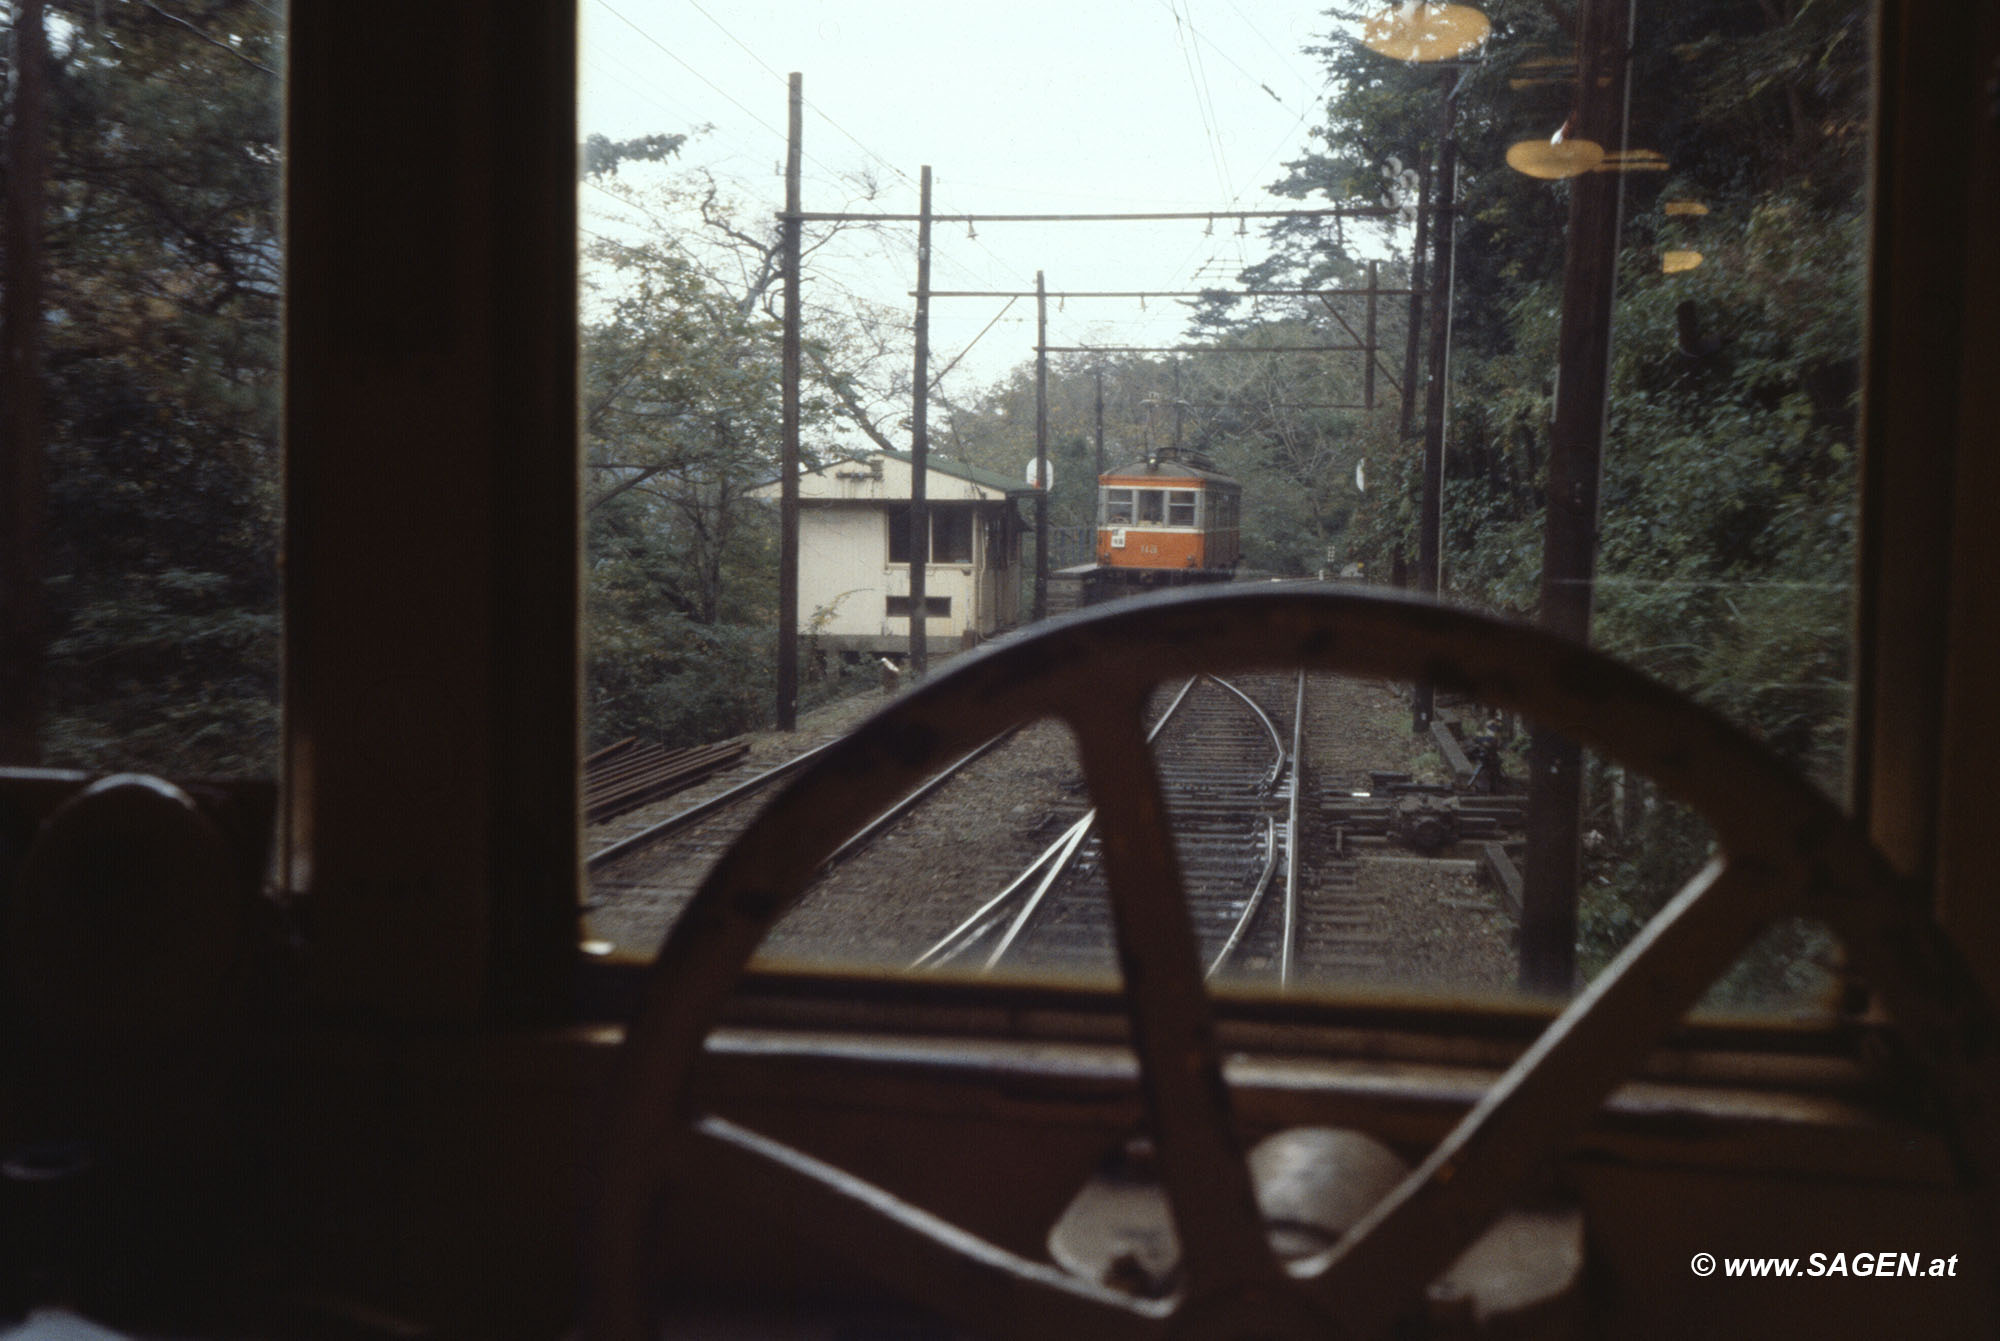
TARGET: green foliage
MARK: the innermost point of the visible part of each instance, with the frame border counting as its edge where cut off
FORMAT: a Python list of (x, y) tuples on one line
[(601, 155), (161, 356), (667, 678), (682, 421)]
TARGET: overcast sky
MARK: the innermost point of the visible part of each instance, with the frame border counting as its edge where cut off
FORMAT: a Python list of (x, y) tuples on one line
[(1029, 106)]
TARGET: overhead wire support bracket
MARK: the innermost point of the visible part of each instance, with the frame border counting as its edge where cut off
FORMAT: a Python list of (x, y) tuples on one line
[(1166, 293), (1204, 349)]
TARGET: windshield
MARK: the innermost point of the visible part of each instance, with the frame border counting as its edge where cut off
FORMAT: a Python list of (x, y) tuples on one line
[(1553, 320)]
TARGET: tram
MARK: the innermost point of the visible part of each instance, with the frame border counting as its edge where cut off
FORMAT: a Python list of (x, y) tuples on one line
[(352, 1076), (1170, 519)]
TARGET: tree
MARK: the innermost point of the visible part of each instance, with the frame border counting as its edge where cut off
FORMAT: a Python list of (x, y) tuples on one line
[(681, 422), (160, 355)]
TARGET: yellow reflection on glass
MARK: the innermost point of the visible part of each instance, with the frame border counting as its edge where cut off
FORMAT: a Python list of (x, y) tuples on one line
[(1539, 71), (1553, 160), (1677, 262), (1634, 160), (1425, 32), (1689, 207)]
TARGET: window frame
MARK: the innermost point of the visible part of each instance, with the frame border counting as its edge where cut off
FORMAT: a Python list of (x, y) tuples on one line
[(432, 513), (897, 516), (955, 518)]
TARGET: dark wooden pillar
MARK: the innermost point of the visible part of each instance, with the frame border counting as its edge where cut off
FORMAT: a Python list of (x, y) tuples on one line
[(23, 471), (1569, 542), (432, 512)]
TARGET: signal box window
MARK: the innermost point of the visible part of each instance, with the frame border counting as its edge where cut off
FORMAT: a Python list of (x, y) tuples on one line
[(935, 607), (951, 535), (899, 534)]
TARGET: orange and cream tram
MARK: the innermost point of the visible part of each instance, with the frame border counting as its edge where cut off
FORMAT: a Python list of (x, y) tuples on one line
[(1169, 519)]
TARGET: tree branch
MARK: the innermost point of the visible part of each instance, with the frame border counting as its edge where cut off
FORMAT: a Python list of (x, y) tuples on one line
[(214, 42), (621, 487)]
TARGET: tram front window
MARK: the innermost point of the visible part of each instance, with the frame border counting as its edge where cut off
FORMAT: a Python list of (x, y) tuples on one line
[(1681, 493)]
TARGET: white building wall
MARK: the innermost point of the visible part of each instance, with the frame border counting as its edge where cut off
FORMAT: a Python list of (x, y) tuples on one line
[(845, 577), (842, 551)]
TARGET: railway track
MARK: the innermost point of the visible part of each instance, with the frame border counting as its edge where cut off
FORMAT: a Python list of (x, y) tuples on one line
[(1281, 826), (1234, 770), (641, 875), (643, 866)]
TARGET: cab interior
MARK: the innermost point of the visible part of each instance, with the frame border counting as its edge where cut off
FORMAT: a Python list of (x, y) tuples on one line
[(379, 1103)]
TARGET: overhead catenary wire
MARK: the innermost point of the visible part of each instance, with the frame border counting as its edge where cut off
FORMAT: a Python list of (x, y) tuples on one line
[(668, 52), (1192, 37), (1203, 107), (724, 93), (975, 340), (891, 229), (1143, 216), (809, 104)]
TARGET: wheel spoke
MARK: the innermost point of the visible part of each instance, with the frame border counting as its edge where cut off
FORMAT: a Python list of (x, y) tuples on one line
[(1549, 1094), (928, 1260), (1201, 1163)]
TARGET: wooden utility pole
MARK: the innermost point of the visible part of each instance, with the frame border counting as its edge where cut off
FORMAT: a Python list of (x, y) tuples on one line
[(1414, 331), (23, 487), (920, 443), (1437, 403), (1041, 611), (1569, 541), (788, 464)]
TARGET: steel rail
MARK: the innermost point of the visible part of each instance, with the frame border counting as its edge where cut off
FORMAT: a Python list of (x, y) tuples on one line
[(1277, 768), (968, 932), (1256, 899), (961, 937), (1078, 832), (1288, 933), (867, 832), (700, 810), (860, 838), (1253, 903)]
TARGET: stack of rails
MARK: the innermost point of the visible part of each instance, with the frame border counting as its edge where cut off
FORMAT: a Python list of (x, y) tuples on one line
[(633, 772)]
